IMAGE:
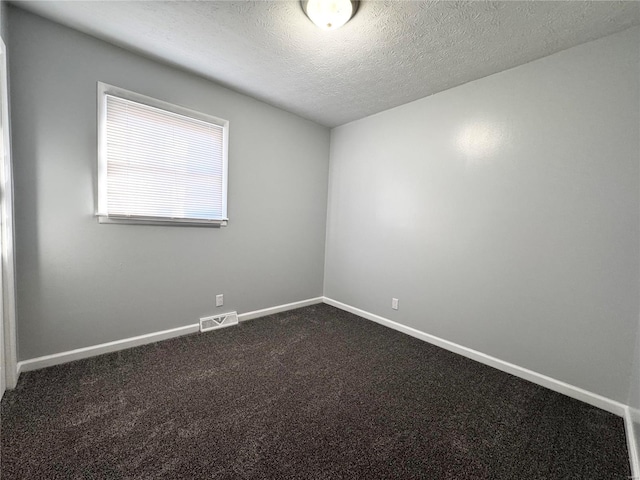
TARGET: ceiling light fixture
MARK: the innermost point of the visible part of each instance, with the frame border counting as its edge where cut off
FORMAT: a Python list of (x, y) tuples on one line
[(329, 14)]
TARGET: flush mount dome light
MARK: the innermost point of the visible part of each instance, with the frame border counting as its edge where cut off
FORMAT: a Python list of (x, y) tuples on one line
[(329, 14)]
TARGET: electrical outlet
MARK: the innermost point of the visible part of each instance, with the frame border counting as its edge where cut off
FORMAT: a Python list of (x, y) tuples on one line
[(394, 303), (219, 300)]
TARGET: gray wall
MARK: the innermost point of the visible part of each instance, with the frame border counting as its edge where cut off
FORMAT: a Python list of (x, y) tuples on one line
[(81, 283), (503, 214), (634, 387)]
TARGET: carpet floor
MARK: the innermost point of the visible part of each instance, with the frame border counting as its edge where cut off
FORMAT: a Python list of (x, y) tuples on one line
[(313, 393)]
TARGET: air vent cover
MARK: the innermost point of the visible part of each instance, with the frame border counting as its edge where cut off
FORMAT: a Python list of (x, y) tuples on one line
[(218, 321)]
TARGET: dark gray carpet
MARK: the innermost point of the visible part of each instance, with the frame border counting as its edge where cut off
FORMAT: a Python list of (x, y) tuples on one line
[(314, 393)]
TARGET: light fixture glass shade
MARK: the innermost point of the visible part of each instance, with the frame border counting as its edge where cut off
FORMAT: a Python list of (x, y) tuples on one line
[(329, 14)]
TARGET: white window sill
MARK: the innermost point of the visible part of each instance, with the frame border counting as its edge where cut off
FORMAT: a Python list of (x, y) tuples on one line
[(173, 222)]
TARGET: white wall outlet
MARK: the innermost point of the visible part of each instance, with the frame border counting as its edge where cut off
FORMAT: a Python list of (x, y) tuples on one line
[(219, 300), (394, 303)]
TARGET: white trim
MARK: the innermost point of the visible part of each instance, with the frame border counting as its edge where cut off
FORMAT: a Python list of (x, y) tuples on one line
[(280, 308), (632, 415), (92, 351), (86, 352), (594, 399), (8, 322), (591, 398), (172, 222)]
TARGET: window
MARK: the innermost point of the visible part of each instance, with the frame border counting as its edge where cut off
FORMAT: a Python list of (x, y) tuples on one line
[(159, 163)]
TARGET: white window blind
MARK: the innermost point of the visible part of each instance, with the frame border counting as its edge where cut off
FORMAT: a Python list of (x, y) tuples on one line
[(160, 163)]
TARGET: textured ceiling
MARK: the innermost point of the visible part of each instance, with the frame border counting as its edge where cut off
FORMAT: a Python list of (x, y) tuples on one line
[(391, 52)]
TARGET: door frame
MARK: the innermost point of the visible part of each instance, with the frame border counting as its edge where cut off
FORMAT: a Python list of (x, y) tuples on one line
[(7, 234)]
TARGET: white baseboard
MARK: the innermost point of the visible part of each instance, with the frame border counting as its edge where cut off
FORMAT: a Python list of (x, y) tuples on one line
[(86, 352), (92, 351), (631, 419), (281, 308), (630, 415), (591, 398)]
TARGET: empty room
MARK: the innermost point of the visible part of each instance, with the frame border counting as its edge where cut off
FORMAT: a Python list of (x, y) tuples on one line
[(320, 239)]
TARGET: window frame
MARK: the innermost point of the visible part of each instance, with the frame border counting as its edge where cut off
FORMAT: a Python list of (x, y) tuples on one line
[(102, 213)]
